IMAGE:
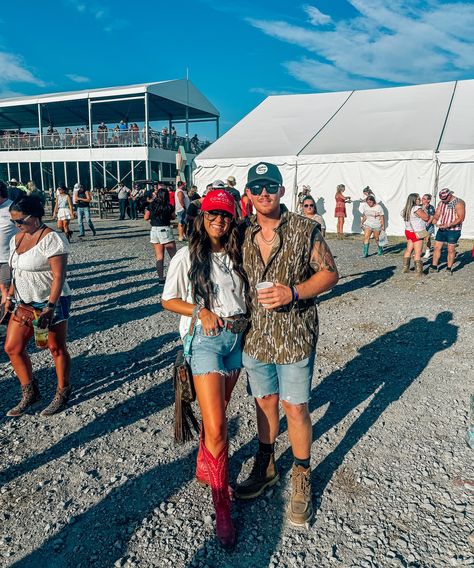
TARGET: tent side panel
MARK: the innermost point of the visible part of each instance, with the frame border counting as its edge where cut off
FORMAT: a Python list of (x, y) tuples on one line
[(390, 181), (460, 178)]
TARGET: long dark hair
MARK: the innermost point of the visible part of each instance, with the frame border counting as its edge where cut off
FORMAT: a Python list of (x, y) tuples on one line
[(161, 202), (201, 260)]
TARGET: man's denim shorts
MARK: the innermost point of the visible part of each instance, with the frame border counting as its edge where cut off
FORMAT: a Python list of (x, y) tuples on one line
[(292, 381), (181, 216), (447, 236), (221, 353)]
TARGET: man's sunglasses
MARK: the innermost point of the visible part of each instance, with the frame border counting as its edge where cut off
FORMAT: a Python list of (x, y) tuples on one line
[(20, 221), (257, 188), (212, 215), (308, 205)]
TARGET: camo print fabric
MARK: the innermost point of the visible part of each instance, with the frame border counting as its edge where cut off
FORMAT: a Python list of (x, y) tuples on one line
[(286, 335)]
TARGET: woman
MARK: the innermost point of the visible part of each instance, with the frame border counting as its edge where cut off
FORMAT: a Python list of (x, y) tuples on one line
[(415, 228), (38, 258), (63, 211), (372, 222), (340, 212), (430, 228), (161, 233), (206, 282), (308, 206)]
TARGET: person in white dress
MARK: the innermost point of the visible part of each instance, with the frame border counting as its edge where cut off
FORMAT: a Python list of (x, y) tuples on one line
[(372, 223)]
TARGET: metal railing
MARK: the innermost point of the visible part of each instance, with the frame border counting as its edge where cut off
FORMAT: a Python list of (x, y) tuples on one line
[(100, 139)]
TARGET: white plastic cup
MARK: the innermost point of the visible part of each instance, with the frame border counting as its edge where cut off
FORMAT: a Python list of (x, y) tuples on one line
[(262, 286)]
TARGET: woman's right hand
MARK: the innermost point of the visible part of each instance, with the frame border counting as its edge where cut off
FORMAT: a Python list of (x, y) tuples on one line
[(210, 322)]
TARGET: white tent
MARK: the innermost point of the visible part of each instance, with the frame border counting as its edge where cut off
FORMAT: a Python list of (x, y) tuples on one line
[(397, 140)]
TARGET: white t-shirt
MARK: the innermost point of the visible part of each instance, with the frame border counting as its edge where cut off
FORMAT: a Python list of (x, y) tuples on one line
[(228, 287), (7, 231), (178, 207), (31, 269), (415, 224), (372, 214)]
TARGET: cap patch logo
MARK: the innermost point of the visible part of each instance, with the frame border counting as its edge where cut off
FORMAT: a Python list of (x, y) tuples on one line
[(261, 169)]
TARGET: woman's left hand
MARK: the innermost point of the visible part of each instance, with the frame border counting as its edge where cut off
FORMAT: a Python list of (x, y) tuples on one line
[(45, 317)]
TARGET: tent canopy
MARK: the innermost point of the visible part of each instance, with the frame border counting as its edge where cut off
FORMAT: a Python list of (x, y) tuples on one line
[(397, 140)]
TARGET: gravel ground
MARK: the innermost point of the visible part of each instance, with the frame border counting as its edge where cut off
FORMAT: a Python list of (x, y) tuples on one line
[(102, 484)]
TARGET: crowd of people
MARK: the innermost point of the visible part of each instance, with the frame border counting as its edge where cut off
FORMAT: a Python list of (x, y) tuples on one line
[(245, 288), (122, 134)]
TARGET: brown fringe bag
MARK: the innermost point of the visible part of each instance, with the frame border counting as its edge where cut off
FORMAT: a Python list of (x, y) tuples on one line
[(184, 392)]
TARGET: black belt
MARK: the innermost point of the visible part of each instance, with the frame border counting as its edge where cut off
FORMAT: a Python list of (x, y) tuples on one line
[(236, 325)]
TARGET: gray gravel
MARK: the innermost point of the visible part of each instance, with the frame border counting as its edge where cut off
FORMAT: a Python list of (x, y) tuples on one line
[(102, 484)]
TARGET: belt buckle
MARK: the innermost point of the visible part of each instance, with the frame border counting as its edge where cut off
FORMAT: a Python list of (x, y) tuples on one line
[(237, 325)]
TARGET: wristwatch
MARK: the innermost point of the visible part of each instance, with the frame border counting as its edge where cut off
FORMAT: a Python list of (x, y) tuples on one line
[(50, 305)]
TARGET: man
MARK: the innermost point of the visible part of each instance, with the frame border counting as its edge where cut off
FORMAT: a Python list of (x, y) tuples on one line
[(13, 191), (82, 199), (230, 188), (194, 209), (286, 252), (7, 230), (123, 193), (426, 204), (181, 206), (449, 217)]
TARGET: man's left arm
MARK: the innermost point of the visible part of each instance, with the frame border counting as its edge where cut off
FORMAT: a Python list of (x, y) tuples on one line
[(324, 278)]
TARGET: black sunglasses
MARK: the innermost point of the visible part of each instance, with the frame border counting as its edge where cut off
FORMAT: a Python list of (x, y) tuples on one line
[(257, 188), (212, 215), (20, 221), (308, 205)]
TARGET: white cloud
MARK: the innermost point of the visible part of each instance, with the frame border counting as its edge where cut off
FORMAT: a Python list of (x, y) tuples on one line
[(101, 13), (77, 78), (316, 17), (14, 70), (394, 42), (269, 92)]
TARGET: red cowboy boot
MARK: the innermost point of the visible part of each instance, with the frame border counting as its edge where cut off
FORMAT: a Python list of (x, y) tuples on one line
[(202, 475), (218, 469)]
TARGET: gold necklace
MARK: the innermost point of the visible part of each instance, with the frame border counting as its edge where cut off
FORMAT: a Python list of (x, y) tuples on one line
[(268, 241)]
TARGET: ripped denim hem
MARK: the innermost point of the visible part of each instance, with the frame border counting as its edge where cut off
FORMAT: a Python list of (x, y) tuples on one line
[(224, 373)]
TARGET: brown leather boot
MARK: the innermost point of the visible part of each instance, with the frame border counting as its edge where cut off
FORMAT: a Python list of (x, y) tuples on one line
[(30, 396), (264, 474), (58, 403), (300, 510), (218, 469), (419, 268), (406, 265)]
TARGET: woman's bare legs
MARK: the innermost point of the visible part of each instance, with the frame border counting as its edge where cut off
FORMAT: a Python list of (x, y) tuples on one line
[(15, 347), (62, 359)]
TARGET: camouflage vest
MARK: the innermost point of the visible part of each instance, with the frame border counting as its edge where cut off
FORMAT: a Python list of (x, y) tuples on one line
[(289, 334)]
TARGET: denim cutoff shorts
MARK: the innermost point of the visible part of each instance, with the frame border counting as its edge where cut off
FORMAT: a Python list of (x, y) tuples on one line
[(221, 353), (447, 236), (291, 381), (61, 311)]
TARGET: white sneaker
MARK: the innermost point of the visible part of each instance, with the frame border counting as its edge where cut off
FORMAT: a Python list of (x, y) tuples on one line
[(427, 254)]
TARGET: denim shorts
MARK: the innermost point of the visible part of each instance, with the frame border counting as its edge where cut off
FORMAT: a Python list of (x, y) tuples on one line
[(221, 353), (61, 311), (161, 235), (181, 216), (447, 236), (292, 381)]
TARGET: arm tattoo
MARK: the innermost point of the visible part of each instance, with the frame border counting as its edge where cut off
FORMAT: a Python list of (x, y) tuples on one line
[(321, 256)]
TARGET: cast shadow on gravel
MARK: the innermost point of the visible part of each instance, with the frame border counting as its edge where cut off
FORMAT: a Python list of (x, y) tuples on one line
[(124, 413), (82, 265), (111, 277), (134, 235), (103, 531), (83, 325), (125, 287), (368, 279), (384, 369)]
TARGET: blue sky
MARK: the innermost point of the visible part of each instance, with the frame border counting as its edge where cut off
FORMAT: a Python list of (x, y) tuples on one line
[(237, 52)]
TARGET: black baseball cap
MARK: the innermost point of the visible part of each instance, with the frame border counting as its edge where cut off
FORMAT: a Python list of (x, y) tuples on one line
[(264, 171)]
